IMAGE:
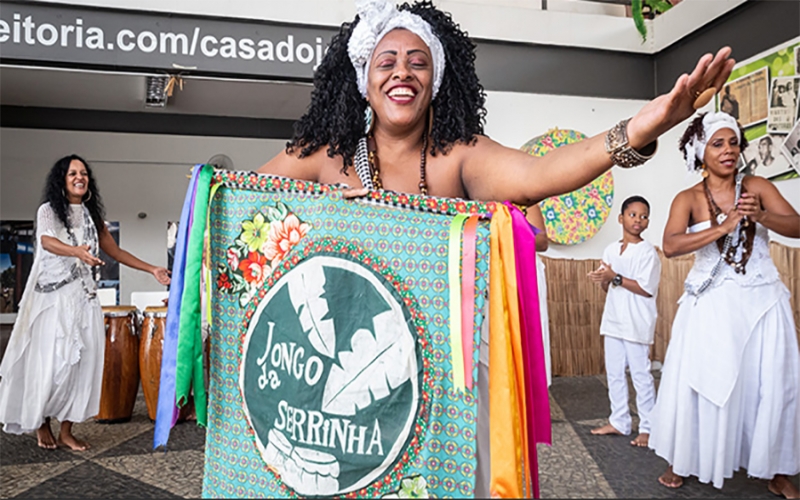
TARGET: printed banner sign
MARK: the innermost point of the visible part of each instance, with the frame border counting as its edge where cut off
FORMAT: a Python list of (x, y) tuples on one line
[(331, 365)]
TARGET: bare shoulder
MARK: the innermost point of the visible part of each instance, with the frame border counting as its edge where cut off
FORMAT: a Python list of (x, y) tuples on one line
[(757, 184), (688, 196), (480, 144)]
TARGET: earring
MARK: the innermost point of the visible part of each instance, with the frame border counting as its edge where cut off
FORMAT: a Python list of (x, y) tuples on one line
[(430, 120), (368, 120), (704, 172), (63, 193), (90, 196)]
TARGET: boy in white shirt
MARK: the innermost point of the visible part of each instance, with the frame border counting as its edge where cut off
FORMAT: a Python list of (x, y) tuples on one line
[(630, 272)]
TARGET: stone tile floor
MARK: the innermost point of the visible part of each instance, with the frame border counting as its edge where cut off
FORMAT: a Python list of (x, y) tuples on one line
[(121, 463)]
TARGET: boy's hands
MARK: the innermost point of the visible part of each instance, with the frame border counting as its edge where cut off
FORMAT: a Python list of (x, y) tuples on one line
[(603, 275)]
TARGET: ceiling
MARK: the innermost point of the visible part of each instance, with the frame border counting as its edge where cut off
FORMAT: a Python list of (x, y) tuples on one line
[(78, 89)]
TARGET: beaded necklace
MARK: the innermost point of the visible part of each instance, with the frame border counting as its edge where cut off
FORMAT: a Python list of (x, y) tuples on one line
[(90, 237), (368, 167), (738, 252), (727, 243)]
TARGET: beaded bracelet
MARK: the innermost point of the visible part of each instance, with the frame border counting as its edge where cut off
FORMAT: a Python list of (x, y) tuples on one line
[(621, 152)]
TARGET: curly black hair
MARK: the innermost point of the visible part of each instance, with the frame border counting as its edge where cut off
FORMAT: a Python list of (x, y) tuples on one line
[(55, 189), (335, 117), (695, 129)]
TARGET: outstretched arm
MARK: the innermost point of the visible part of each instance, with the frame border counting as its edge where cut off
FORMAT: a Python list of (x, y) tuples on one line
[(110, 247), (494, 172)]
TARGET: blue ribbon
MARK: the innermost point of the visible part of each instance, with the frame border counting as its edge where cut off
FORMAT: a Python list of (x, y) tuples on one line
[(167, 411)]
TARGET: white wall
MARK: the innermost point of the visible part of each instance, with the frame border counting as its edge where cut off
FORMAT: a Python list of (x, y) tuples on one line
[(515, 118), (135, 172)]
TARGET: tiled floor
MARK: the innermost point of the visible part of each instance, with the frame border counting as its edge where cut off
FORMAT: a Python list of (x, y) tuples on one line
[(122, 465)]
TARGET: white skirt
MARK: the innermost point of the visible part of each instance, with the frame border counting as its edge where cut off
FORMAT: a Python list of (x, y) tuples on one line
[(53, 367), (758, 425)]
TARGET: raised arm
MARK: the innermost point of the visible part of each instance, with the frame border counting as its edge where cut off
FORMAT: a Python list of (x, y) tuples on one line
[(110, 247), (493, 172)]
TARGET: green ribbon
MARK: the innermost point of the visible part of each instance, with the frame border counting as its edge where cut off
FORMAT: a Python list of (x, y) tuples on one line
[(189, 369)]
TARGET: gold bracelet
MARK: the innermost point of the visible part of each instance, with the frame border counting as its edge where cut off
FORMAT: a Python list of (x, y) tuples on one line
[(621, 152)]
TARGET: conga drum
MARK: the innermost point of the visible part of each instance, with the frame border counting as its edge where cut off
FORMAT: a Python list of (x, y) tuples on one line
[(150, 353), (151, 347), (121, 366)]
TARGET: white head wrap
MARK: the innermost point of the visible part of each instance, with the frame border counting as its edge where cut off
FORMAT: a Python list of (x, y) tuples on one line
[(712, 122), (379, 17)]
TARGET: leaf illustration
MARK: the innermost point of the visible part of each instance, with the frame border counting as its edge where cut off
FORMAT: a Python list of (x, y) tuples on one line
[(278, 213), (306, 286), (376, 365)]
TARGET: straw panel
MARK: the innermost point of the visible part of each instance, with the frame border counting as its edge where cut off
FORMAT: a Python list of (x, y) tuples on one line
[(576, 307), (787, 260)]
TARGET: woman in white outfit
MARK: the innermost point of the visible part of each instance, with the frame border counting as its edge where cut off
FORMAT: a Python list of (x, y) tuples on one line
[(53, 365), (730, 385)]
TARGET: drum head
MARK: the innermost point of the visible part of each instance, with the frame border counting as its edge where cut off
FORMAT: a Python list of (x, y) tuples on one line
[(118, 310), (155, 311)]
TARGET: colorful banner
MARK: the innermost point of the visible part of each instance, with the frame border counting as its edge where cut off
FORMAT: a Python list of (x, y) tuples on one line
[(339, 347)]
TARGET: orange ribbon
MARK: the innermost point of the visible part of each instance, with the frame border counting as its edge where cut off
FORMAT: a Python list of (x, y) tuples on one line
[(510, 474)]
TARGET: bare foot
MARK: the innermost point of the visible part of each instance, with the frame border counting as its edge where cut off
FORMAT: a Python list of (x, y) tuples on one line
[(66, 438), (72, 442), (670, 479), (641, 440), (606, 429), (45, 436), (782, 486)]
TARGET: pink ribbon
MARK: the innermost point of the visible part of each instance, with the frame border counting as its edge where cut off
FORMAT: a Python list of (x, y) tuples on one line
[(468, 297), (538, 400)]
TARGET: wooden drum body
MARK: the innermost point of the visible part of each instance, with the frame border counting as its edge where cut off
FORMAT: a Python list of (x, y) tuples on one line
[(150, 350), (120, 367)]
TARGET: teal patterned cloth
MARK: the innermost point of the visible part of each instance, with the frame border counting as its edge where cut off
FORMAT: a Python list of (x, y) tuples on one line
[(330, 349)]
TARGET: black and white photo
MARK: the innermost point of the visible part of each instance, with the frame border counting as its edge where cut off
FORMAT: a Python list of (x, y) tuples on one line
[(783, 104)]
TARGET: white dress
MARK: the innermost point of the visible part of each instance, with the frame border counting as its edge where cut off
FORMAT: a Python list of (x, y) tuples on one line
[(53, 364), (730, 384)]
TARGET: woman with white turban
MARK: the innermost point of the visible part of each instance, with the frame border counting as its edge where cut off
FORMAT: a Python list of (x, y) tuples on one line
[(730, 385)]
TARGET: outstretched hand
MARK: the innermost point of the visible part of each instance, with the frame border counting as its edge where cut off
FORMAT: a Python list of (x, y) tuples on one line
[(668, 110), (350, 193), (84, 253), (161, 275)]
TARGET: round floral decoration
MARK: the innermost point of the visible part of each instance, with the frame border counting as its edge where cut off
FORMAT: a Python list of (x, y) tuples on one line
[(574, 217)]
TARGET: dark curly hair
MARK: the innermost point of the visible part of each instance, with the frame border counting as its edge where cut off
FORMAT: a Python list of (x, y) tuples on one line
[(55, 189), (695, 128), (335, 117)]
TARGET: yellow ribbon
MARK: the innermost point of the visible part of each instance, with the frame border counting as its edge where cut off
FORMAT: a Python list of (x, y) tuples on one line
[(207, 275), (454, 282)]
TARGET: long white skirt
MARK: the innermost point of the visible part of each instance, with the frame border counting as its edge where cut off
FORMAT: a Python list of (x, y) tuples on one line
[(758, 425), (53, 367)]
